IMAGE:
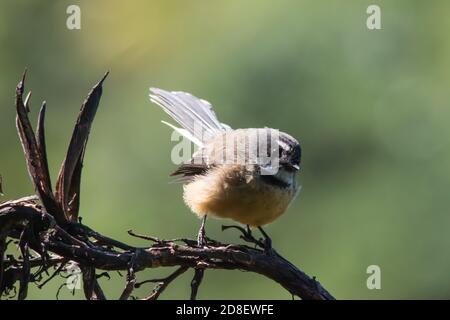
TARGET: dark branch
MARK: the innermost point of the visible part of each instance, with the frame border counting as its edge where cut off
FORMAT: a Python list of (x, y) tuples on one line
[(40, 141), (196, 281), (163, 283), (165, 254), (131, 277), (34, 156), (69, 179), (25, 276)]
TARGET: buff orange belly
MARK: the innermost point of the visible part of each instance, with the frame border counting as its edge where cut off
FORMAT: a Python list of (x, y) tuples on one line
[(226, 195)]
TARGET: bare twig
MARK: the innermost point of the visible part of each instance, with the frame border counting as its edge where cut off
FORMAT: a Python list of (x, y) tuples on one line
[(89, 282), (25, 279), (196, 281), (3, 246), (40, 142), (98, 291), (1, 185), (57, 271), (163, 283), (34, 156), (145, 237), (69, 179), (131, 277)]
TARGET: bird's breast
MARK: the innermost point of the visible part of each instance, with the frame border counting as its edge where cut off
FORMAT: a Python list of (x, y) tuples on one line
[(231, 192)]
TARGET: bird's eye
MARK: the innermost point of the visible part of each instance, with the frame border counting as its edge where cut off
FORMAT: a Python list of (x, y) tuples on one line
[(296, 155)]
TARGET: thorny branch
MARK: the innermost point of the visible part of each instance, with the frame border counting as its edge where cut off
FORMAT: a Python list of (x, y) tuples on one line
[(49, 236)]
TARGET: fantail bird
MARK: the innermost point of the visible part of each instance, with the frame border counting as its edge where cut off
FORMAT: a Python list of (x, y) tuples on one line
[(254, 188)]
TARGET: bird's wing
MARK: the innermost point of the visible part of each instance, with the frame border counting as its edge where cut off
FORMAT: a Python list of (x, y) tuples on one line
[(195, 115), (187, 171)]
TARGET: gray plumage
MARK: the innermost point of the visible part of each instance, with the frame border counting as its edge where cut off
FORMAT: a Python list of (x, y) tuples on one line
[(193, 114), (201, 126)]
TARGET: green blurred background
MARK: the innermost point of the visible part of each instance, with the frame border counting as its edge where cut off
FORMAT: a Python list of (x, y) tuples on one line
[(369, 107)]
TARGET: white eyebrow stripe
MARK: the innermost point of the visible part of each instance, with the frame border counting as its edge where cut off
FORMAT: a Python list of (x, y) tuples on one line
[(283, 144)]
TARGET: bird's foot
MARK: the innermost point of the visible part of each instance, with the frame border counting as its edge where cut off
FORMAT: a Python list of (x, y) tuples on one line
[(268, 249), (247, 235)]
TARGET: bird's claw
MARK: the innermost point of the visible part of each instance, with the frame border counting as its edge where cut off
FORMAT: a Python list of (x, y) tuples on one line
[(247, 235), (268, 246)]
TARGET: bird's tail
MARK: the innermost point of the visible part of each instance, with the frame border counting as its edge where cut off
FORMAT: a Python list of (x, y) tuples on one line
[(196, 116)]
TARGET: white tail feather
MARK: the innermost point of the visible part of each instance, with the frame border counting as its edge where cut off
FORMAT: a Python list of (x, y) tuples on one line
[(185, 134), (195, 115)]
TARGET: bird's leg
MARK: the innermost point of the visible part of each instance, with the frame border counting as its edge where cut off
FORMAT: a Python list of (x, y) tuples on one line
[(267, 241), (249, 231), (201, 239), (248, 236)]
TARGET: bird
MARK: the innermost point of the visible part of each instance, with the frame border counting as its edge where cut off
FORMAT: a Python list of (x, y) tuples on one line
[(252, 188)]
